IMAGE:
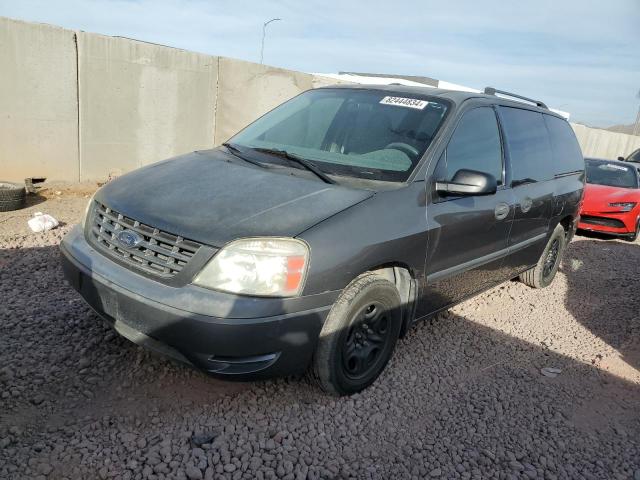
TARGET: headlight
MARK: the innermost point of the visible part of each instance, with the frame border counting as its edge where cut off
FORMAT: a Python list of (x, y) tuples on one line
[(625, 206), (274, 267), (83, 220)]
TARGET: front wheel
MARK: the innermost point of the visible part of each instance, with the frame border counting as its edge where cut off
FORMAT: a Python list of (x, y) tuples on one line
[(545, 270), (358, 337), (636, 234)]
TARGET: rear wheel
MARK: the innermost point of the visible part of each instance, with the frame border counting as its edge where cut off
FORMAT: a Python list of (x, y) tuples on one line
[(358, 337), (545, 270)]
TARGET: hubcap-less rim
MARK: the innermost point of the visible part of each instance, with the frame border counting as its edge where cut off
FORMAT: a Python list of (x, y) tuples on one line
[(552, 258), (367, 338)]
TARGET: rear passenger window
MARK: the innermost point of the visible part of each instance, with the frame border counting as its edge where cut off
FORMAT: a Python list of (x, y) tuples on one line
[(529, 148), (567, 156), (475, 145)]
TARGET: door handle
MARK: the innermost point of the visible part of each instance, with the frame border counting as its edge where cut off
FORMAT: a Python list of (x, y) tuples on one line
[(502, 211)]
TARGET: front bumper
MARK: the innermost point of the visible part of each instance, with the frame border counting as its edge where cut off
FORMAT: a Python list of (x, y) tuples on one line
[(613, 223), (226, 335)]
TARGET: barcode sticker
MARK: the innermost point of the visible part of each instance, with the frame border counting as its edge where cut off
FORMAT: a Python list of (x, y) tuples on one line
[(613, 166), (405, 102)]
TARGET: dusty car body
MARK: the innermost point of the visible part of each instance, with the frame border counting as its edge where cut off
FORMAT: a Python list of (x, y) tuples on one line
[(313, 240)]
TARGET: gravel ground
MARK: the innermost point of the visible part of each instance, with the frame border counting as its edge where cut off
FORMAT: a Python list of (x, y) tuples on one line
[(463, 397)]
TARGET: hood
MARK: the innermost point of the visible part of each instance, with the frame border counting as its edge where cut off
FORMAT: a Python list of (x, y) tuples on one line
[(202, 196), (597, 197)]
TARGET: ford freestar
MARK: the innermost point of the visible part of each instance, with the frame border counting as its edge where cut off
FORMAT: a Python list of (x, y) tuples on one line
[(314, 238)]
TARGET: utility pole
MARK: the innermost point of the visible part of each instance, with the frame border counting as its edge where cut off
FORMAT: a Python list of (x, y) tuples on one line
[(264, 32), (636, 127)]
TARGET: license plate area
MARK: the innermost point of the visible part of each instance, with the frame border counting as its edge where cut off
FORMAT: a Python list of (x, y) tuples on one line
[(101, 299)]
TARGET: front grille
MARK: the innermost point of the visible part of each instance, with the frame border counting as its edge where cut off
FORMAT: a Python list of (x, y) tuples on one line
[(159, 253), (602, 221)]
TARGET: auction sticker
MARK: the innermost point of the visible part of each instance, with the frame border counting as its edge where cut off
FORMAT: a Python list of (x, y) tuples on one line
[(612, 166), (405, 102)]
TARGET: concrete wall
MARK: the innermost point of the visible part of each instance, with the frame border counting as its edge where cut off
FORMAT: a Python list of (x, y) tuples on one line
[(81, 106), (248, 90), (140, 103), (38, 102), (604, 144)]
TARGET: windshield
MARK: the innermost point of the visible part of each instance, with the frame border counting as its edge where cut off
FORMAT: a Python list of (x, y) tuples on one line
[(611, 174), (359, 133)]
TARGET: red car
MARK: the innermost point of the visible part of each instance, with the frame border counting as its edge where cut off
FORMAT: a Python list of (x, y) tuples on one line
[(611, 202)]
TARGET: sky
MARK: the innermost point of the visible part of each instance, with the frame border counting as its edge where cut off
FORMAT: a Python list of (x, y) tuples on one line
[(581, 56)]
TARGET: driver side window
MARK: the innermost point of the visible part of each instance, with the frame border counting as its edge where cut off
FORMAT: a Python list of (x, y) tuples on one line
[(475, 145)]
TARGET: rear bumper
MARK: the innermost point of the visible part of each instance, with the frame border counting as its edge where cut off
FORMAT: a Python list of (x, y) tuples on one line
[(226, 335)]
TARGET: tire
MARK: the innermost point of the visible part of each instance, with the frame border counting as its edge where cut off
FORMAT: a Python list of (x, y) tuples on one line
[(635, 235), (12, 196), (358, 337), (545, 270)]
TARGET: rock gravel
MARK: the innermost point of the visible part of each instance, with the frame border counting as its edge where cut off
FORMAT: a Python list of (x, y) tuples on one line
[(463, 396)]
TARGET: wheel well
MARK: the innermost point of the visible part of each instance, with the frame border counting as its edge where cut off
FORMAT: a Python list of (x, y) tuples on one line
[(569, 227), (402, 277), (566, 223)]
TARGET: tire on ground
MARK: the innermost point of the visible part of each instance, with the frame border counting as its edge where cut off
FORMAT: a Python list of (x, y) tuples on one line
[(328, 366), (12, 196), (535, 277), (634, 236)]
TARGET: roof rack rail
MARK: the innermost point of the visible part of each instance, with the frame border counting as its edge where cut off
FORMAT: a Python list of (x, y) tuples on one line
[(493, 91)]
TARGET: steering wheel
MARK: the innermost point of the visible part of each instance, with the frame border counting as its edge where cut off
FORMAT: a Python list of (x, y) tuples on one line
[(411, 151)]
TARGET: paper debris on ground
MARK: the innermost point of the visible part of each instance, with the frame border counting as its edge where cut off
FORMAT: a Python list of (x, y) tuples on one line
[(550, 372), (41, 222)]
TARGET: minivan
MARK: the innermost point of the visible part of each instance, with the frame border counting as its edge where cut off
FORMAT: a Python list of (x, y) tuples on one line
[(313, 239)]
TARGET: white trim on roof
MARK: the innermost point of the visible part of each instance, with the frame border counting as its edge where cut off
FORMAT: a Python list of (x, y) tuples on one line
[(365, 80)]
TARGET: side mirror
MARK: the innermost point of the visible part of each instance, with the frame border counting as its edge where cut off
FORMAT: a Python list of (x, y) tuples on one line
[(622, 159), (469, 182)]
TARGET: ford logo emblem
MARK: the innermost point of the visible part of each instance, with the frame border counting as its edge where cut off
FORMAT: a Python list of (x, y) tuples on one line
[(128, 238)]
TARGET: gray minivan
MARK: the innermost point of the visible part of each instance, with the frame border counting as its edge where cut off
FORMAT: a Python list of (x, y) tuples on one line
[(314, 238)]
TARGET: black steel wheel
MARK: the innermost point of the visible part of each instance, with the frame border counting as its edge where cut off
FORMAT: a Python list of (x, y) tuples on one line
[(364, 342), (543, 273), (358, 337), (552, 258)]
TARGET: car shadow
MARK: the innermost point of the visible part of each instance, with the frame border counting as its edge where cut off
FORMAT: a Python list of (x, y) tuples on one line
[(33, 199), (598, 235), (603, 286), (455, 395)]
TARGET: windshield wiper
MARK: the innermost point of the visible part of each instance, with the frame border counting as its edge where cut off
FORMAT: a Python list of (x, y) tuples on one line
[(298, 160), (238, 154)]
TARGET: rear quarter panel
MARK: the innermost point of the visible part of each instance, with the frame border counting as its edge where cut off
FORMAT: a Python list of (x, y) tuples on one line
[(569, 194)]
